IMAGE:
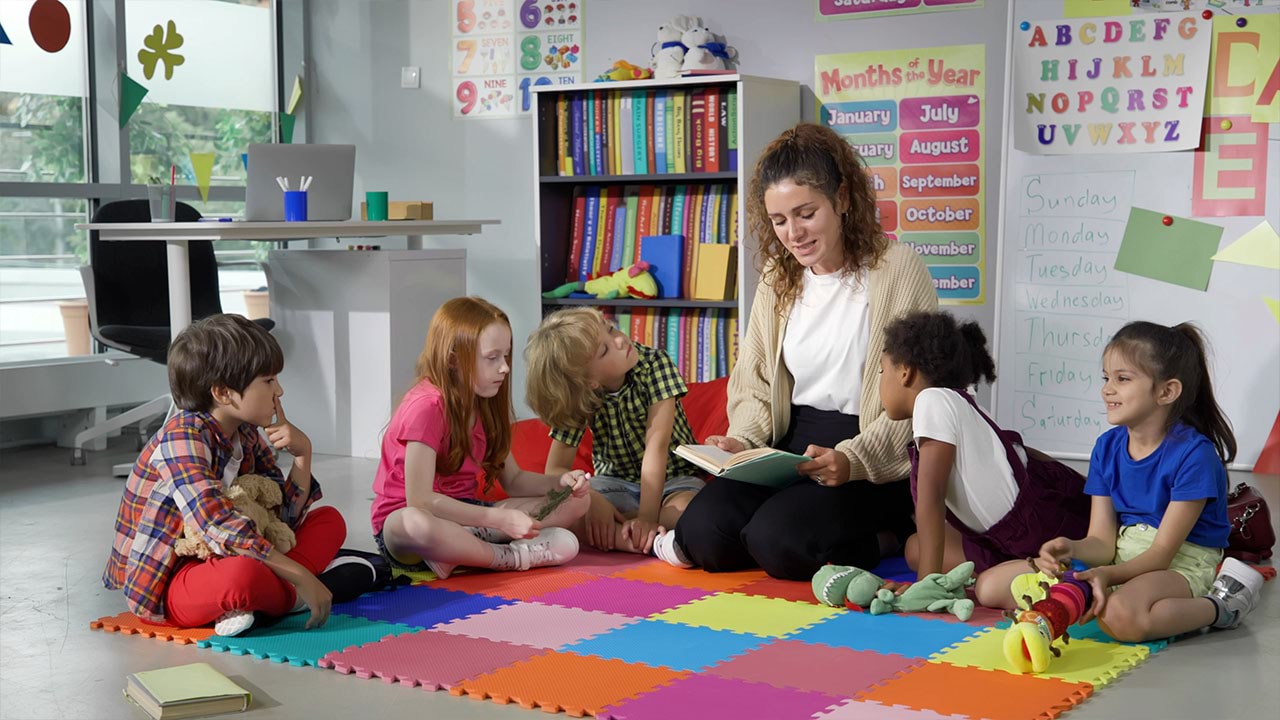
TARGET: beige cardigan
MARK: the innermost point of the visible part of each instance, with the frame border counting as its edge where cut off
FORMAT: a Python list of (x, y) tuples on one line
[(760, 386)]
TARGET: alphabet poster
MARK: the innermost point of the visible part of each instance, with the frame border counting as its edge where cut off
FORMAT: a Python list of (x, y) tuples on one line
[(916, 117), (1110, 85), (503, 48)]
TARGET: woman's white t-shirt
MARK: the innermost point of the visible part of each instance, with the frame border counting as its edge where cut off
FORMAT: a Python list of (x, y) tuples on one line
[(981, 489), (825, 346)]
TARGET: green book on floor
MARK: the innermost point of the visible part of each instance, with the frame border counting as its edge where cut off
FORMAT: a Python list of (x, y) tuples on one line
[(760, 466), (185, 691)]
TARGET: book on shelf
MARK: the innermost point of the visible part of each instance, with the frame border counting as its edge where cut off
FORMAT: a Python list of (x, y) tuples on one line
[(185, 691), (665, 255), (760, 466)]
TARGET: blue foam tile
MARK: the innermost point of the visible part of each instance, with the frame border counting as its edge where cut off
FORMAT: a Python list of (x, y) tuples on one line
[(900, 634), (289, 641), (895, 568), (420, 606), (1092, 631), (670, 645)]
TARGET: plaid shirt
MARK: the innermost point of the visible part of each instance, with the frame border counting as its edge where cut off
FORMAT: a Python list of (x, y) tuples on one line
[(177, 480), (618, 427)]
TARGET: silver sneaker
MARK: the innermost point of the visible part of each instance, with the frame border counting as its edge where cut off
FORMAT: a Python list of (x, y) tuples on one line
[(551, 546), (1237, 590)]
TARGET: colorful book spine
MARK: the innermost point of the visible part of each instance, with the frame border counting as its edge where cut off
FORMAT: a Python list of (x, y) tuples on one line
[(723, 137), (577, 120), (597, 140), (564, 161), (679, 132), (627, 136), (650, 146), (731, 135), (610, 203), (698, 128), (615, 136), (669, 125), (644, 211), (722, 344), (672, 345), (660, 132), (586, 266), (600, 259), (639, 103), (619, 239), (631, 196), (712, 133), (575, 233)]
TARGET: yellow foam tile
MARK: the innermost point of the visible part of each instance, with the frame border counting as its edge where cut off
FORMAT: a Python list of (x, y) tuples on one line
[(764, 616), (1090, 661)]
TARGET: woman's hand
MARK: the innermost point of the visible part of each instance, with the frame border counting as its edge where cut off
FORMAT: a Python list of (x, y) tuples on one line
[(517, 524), (725, 443), (828, 467), (579, 482)]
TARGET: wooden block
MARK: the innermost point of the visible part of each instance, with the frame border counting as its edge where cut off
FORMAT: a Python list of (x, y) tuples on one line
[(403, 210), (717, 272)]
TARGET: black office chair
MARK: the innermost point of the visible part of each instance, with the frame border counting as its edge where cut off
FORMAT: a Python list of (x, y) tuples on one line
[(127, 285)]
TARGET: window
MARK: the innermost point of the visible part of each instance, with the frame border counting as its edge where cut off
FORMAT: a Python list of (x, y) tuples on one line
[(219, 97)]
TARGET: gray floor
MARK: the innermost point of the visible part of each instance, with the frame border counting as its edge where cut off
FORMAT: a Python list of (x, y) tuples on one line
[(55, 531)]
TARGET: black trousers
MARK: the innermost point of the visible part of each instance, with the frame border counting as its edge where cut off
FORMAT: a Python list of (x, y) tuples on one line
[(793, 531)]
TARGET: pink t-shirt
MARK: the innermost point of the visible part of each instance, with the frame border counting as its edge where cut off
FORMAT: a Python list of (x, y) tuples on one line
[(421, 418)]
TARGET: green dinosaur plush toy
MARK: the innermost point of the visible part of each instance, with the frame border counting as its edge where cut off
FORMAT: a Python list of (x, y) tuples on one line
[(631, 281), (845, 586), (938, 592)]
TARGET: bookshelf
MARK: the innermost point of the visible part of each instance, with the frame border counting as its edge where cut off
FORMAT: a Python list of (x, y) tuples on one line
[(639, 177)]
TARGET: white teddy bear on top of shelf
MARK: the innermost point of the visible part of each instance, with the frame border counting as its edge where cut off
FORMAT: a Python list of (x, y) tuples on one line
[(704, 52), (668, 52)]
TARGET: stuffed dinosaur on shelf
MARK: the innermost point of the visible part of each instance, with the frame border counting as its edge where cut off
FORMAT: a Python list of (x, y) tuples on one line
[(631, 281)]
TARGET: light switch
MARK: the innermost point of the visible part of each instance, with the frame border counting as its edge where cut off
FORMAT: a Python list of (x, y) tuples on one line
[(410, 77)]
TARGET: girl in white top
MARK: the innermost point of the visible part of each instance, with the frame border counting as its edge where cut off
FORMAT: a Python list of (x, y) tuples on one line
[(999, 500)]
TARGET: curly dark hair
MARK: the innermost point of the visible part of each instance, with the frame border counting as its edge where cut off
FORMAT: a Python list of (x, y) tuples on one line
[(947, 353), (814, 156)]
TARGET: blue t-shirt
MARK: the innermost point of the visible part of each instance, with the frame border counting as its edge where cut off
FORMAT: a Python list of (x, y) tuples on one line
[(1185, 467)]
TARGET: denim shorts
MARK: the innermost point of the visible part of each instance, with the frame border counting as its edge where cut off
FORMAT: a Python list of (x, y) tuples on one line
[(625, 495), (420, 566)]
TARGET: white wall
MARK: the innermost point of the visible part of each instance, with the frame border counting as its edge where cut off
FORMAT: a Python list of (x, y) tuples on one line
[(410, 144)]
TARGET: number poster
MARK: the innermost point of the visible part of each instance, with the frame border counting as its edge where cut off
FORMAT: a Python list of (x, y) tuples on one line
[(502, 48)]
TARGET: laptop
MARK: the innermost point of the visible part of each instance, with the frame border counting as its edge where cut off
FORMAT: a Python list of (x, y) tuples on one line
[(332, 169)]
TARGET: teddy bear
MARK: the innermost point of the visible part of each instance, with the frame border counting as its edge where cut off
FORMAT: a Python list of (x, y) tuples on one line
[(256, 497), (668, 52), (703, 52), (631, 281)]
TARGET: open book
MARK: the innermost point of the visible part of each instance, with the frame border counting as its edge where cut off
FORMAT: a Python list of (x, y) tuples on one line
[(185, 691), (761, 466)]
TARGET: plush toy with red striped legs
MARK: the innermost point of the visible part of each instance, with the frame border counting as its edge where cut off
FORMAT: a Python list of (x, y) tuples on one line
[(1028, 643)]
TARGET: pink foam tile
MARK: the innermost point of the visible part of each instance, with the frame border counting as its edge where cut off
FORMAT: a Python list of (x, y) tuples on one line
[(622, 597), (868, 710), (706, 696), (594, 561), (536, 625), (839, 671), (431, 659)]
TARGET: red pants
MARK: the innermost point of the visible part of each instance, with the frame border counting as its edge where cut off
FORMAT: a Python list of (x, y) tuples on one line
[(201, 592)]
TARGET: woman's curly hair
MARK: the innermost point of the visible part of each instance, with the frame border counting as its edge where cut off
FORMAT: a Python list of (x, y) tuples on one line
[(816, 157), (947, 353)]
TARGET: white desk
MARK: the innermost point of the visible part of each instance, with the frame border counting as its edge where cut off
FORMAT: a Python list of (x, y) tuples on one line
[(176, 236)]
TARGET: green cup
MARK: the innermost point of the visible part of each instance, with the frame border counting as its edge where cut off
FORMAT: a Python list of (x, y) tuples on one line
[(375, 205)]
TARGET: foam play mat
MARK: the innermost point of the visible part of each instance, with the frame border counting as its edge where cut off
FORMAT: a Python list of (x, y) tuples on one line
[(626, 637)]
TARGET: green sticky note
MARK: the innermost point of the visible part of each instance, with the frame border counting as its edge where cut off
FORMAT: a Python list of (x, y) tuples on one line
[(131, 94), (1095, 8), (1180, 253), (286, 127)]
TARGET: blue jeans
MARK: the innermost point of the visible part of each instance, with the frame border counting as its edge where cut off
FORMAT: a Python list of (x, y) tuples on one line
[(625, 495)]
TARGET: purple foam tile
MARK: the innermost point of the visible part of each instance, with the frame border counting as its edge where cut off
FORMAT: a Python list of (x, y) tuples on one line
[(622, 597), (871, 710), (419, 606), (596, 562), (821, 668), (431, 659), (705, 696), (536, 625)]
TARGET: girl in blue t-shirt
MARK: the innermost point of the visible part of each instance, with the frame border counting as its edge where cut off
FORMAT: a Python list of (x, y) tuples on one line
[(1159, 484)]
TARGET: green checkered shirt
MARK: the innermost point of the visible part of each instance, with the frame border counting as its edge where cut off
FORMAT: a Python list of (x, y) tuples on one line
[(618, 427)]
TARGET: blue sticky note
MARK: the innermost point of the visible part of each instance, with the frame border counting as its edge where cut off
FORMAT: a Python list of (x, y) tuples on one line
[(665, 255)]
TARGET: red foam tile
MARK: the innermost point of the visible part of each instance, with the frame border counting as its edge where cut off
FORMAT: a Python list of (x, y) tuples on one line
[(575, 684), (594, 561), (431, 659), (696, 578), (821, 668), (126, 623), (785, 589), (990, 694), (514, 585)]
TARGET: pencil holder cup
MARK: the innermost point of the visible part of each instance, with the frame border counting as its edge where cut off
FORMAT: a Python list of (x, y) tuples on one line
[(376, 205), (295, 206), (160, 198)]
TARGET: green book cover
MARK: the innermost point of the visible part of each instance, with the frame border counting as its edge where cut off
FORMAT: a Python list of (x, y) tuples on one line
[(759, 466)]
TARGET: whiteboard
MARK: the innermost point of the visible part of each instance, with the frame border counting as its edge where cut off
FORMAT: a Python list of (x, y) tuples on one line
[(1059, 298)]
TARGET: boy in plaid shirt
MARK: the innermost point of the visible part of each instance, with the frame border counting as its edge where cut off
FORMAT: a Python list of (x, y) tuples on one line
[(222, 375), (584, 373)]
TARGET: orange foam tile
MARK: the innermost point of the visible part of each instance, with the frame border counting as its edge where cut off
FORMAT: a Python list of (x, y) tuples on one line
[(977, 693), (699, 579), (126, 623), (575, 684)]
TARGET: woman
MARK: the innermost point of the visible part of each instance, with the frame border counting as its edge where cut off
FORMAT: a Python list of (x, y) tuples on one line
[(830, 283)]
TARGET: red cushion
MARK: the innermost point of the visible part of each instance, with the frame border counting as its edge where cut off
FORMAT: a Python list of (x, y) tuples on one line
[(704, 405)]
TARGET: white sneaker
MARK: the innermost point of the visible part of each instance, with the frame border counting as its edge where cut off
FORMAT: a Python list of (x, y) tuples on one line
[(551, 546), (489, 535), (233, 623), (1235, 591), (666, 549)]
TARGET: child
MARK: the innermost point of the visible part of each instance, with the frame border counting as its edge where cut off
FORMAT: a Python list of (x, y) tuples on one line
[(222, 375), (1159, 485), (453, 426), (583, 372), (1000, 500)]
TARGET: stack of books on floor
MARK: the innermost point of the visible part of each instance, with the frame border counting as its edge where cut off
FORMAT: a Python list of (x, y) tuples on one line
[(185, 691)]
